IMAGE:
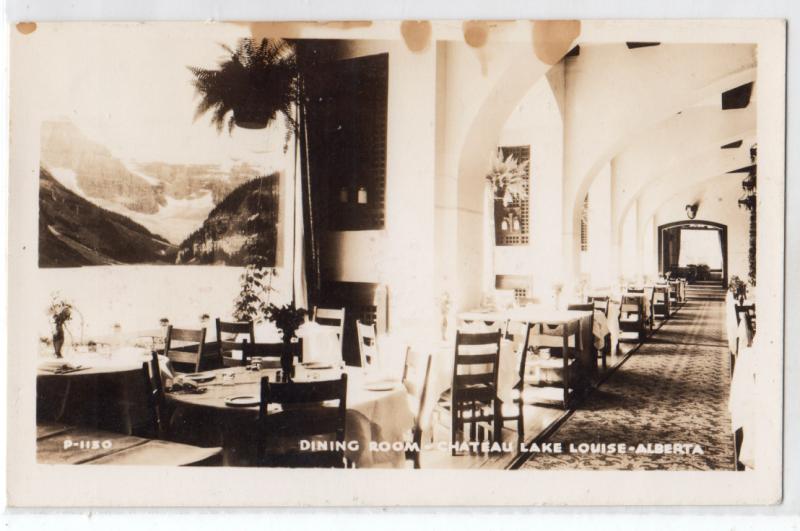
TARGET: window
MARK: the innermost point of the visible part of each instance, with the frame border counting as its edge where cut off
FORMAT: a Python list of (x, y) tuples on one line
[(585, 224), (512, 221), (347, 107)]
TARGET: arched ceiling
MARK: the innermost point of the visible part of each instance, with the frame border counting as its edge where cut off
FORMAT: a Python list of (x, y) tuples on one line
[(616, 95)]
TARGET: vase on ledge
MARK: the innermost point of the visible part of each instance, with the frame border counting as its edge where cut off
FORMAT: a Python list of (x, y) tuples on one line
[(58, 340)]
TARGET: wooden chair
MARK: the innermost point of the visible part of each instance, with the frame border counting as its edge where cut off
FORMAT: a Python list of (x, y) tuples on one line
[(416, 376), (166, 452), (587, 335), (225, 346), (631, 316), (600, 303), (367, 344), (303, 416), (516, 410), (192, 355), (156, 402), (660, 300), (563, 357), (333, 318), (268, 350), (474, 391)]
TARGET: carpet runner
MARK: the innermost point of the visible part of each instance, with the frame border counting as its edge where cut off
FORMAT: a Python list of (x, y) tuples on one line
[(673, 390)]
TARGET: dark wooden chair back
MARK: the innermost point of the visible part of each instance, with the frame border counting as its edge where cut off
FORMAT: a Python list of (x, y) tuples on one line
[(600, 303), (304, 416), (486, 357), (268, 350), (192, 353), (588, 307), (232, 329), (156, 401), (632, 305)]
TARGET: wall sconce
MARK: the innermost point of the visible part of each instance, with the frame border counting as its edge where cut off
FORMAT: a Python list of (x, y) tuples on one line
[(343, 194), (362, 196), (691, 210)]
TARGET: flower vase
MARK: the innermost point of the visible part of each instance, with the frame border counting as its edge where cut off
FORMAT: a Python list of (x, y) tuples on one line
[(58, 340), (287, 360)]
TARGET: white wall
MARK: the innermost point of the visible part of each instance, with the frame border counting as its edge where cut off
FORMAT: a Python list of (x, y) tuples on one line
[(537, 122), (401, 255)]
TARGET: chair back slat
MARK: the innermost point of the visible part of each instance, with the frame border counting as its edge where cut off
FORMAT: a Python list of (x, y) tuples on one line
[(480, 338), (474, 379), (589, 307), (475, 359), (183, 334)]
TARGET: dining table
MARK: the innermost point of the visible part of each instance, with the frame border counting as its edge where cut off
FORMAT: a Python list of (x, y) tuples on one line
[(592, 324), (647, 301), (100, 389), (378, 413)]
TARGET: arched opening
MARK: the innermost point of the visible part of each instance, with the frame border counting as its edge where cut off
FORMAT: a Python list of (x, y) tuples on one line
[(694, 249)]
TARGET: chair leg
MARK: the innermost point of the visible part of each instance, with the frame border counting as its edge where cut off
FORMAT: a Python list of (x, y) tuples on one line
[(498, 422), (454, 426), (520, 428)]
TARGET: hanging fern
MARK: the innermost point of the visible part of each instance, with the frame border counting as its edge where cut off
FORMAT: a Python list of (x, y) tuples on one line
[(256, 84)]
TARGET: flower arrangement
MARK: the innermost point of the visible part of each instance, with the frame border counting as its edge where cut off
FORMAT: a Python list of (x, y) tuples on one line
[(60, 311), (287, 319), (507, 177)]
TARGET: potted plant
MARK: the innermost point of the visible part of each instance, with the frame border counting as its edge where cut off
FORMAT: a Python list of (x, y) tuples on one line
[(251, 88), (287, 319), (738, 287), (60, 312)]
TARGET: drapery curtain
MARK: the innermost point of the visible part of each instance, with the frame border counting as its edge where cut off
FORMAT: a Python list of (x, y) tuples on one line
[(299, 286), (672, 248), (309, 223)]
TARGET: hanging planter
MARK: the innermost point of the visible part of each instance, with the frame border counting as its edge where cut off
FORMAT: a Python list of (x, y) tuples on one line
[(250, 89)]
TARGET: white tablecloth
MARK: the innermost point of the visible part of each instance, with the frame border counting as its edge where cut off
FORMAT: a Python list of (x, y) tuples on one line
[(743, 403)]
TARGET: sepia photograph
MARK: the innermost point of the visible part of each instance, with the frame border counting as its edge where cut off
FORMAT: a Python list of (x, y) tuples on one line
[(427, 249)]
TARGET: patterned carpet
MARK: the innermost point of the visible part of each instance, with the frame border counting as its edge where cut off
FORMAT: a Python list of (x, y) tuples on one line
[(674, 389)]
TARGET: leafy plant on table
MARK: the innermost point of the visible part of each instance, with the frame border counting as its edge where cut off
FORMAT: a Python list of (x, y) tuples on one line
[(287, 319)]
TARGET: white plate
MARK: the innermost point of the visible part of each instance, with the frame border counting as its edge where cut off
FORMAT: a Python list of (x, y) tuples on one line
[(242, 401), (380, 386), (199, 377)]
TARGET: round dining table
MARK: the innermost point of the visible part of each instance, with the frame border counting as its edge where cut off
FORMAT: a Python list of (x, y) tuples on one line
[(372, 418)]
